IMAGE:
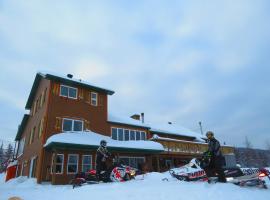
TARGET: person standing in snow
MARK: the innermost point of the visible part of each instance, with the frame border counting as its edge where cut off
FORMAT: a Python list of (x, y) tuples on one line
[(216, 158), (102, 155)]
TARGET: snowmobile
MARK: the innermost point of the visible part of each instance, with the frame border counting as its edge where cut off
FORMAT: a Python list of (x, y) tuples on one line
[(194, 171), (117, 173)]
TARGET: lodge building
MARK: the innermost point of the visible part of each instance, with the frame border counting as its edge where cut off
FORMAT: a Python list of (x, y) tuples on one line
[(67, 119)]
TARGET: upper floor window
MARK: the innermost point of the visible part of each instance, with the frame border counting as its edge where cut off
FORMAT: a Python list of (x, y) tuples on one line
[(69, 92), (94, 99), (127, 134), (21, 147), (32, 136), (72, 125)]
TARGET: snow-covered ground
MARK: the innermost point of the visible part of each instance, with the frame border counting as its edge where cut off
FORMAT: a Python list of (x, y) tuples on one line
[(151, 187)]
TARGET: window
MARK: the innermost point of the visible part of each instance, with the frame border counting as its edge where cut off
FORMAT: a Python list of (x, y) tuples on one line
[(40, 127), (57, 167), (94, 99), (72, 165), (126, 134), (21, 147), (72, 125), (133, 161), (114, 133), (138, 135), (32, 135), (86, 163), (143, 135), (69, 92), (132, 135), (120, 134)]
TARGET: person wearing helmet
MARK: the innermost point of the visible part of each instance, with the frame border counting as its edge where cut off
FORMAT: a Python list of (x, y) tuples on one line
[(102, 155), (216, 158)]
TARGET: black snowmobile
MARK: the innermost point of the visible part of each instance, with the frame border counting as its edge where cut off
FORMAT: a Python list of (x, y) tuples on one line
[(194, 171)]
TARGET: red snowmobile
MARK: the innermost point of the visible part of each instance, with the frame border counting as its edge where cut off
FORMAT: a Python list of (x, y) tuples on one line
[(116, 173)]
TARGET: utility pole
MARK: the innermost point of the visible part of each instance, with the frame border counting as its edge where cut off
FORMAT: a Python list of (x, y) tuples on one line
[(200, 124)]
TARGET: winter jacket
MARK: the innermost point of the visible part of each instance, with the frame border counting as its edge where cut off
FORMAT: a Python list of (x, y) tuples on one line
[(214, 147), (102, 154)]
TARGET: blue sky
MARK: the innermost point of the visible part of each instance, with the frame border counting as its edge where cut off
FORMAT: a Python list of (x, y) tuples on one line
[(178, 61)]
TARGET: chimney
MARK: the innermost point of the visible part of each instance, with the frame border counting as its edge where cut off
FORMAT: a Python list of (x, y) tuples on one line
[(69, 75), (142, 114)]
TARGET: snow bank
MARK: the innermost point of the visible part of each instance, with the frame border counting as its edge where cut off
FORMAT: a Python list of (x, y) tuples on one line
[(147, 187)]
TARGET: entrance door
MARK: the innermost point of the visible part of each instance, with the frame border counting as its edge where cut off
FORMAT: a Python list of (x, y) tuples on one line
[(32, 170)]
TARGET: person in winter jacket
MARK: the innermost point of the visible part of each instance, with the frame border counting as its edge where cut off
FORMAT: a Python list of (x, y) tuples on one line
[(216, 158), (102, 155)]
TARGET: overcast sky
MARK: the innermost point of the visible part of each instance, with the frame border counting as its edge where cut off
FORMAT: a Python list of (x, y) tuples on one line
[(178, 61)]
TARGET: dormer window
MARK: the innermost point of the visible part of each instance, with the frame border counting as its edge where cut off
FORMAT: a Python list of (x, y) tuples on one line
[(72, 125), (94, 99), (70, 92)]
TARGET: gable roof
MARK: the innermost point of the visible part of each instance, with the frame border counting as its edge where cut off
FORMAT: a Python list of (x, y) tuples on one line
[(64, 80), (21, 127)]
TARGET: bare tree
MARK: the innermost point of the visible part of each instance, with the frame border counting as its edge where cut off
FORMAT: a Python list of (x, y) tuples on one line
[(247, 143)]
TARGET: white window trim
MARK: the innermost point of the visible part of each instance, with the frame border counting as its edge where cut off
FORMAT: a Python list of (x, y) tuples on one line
[(116, 132), (91, 165), (77, 155), (129, 130), (94, 99), (72, 125), (144, 135), (62, 166), (128, 134), (21, 153), (68, 92)]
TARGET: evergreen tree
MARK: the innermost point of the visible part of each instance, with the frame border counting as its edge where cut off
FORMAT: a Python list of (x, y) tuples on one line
[(9, 152), (1, 158)]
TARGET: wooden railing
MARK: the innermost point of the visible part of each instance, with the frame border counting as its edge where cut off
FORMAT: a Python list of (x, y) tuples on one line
[(185, 147)]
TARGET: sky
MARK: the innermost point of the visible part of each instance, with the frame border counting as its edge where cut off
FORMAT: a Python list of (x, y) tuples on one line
[(177, 61)]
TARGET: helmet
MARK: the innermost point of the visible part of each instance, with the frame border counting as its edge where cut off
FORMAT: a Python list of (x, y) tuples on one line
[(103, 143), (209, 133)]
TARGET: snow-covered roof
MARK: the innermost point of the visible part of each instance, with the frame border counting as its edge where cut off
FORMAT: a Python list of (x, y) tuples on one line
[(174, 129), (89, 138), (162, 128), (80, 81), (126, 121), (64, 80)]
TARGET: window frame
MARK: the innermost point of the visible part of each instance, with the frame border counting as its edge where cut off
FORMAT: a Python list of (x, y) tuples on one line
[(91, 161), (135, 131), (77, 164), (92, 99), (72, 124), (62, 164), (68, 87), (21, 147)]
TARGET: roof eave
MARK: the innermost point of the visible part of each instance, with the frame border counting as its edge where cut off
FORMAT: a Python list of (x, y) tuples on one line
[(72, 82), (21, 127), (174, 134)]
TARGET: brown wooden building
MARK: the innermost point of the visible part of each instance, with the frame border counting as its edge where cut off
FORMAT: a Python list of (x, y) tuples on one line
[(68, 118)]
